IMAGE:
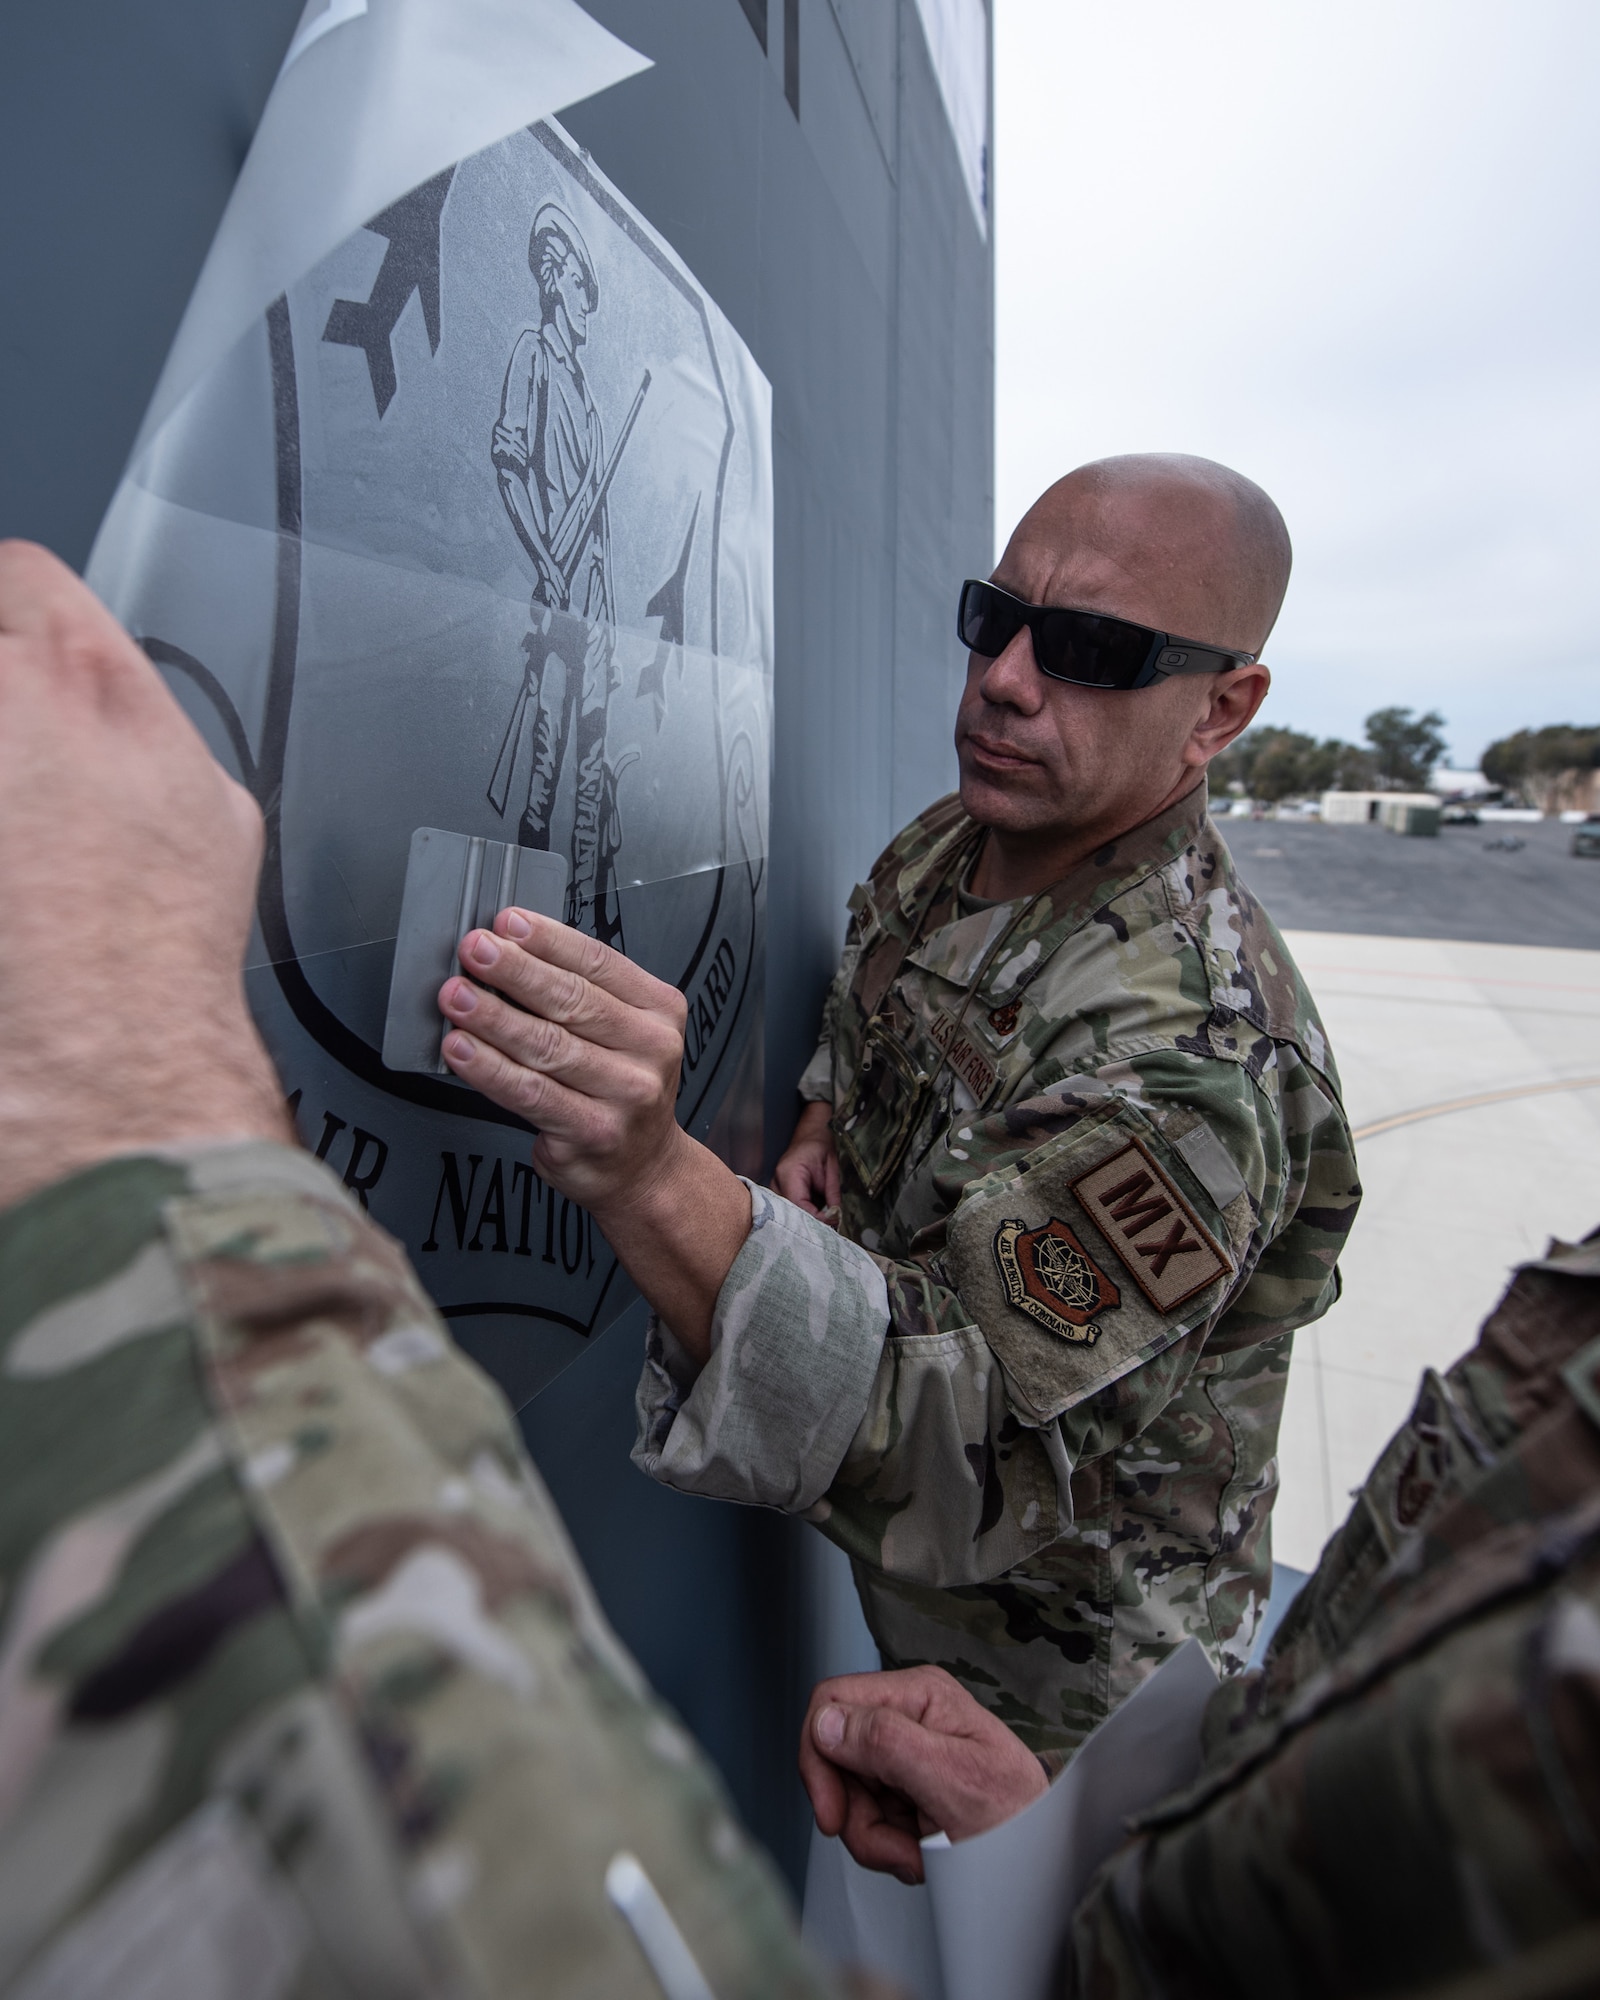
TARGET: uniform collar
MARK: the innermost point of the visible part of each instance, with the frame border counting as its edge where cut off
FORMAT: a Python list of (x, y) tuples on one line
[(922, 877), (1122, 862), (1097, 880)]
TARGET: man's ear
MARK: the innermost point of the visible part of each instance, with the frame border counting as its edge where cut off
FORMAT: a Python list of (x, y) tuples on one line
[(1235, 697)]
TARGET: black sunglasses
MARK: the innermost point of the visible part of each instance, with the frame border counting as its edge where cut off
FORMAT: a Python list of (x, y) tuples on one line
[(1082, 646)]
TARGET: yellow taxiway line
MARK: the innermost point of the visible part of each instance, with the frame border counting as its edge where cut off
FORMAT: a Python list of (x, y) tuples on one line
[(1473, 1103)]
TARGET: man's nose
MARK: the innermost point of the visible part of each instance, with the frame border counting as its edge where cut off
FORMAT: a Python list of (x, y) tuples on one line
[(1012, 679)]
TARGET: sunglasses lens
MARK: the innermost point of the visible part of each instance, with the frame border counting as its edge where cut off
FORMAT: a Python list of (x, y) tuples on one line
[(1073, 646), (1093, 652), (988, 620)]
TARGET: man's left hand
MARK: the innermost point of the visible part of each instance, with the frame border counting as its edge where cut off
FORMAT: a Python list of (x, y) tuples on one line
[(890, 1758), (807, 1173)]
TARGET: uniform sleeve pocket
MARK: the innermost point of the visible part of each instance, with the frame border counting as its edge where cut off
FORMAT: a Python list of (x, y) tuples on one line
[(1095, 1252)]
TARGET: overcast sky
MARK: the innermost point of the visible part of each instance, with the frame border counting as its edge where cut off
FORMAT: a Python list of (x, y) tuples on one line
[(1350, 249)]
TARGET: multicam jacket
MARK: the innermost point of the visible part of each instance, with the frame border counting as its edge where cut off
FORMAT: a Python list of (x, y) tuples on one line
[(1405, 1798), (302, 1690), (1095, 1173)]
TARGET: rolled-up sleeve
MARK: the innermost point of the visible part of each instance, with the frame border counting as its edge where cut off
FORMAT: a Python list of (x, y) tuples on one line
[(819, 1399), (796, 1342)]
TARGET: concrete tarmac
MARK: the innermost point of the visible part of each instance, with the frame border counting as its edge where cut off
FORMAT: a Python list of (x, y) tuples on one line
[(1459, 885), (1460, 988)]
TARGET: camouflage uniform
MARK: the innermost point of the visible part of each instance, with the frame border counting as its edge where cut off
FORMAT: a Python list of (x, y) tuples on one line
[(1095, 1171), (1406, 1798), (302, 1690)]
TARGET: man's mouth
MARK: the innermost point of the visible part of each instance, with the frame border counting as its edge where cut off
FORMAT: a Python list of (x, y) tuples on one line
[(1000, 755)]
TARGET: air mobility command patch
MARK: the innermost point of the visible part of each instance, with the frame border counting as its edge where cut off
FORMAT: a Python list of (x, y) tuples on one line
[(1049, 1275), (1069, 1264), (1166, 1247)]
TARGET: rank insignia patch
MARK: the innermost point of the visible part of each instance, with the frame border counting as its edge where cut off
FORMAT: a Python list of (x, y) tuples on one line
[(1051, 1277), (1168, 1249)]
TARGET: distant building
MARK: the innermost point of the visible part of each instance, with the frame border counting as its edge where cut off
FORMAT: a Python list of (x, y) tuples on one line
[(1349, 808), (1401, 812), (1448, 784), (1410, 813)]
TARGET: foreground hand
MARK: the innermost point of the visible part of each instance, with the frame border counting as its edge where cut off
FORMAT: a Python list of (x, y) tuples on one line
[(588, 1047), (128, 864), (808, 1172), (890, 1758)]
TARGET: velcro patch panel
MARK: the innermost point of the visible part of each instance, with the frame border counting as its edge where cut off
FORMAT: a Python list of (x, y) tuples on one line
[(1168, 1250)]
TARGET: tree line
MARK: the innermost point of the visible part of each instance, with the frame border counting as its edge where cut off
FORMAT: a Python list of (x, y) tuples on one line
[(1545, 765), (1400, 754)]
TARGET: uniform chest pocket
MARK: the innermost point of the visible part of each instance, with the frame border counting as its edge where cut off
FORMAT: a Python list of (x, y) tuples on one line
[(875, 1126)]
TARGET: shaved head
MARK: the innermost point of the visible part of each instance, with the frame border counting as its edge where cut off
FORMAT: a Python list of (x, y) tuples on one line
[(1161, 533), (1056, 770)]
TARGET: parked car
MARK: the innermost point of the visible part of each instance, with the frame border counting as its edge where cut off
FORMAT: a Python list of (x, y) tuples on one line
[(1586, 838)]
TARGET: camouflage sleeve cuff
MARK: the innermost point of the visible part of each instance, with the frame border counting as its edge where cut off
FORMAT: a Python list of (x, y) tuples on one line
[(796, 1339), (206, 1167), (816, 1079)]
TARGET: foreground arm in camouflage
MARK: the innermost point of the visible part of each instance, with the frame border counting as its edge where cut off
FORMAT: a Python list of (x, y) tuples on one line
[(1407, 1797), (302, 1690), (933, 1411)]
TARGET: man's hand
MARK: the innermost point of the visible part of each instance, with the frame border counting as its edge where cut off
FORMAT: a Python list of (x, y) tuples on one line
[(890, 1758), (808, 1173), (128, 864), (583, 1044), (588, 1047)]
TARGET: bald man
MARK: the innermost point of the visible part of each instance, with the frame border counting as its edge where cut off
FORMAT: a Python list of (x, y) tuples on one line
[(1014, 1329)]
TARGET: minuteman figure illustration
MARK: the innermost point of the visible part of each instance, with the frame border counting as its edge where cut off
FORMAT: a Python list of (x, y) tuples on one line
[(548, 450)]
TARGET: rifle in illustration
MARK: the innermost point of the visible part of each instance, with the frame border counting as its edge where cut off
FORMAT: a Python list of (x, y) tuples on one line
[(557, 568)]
